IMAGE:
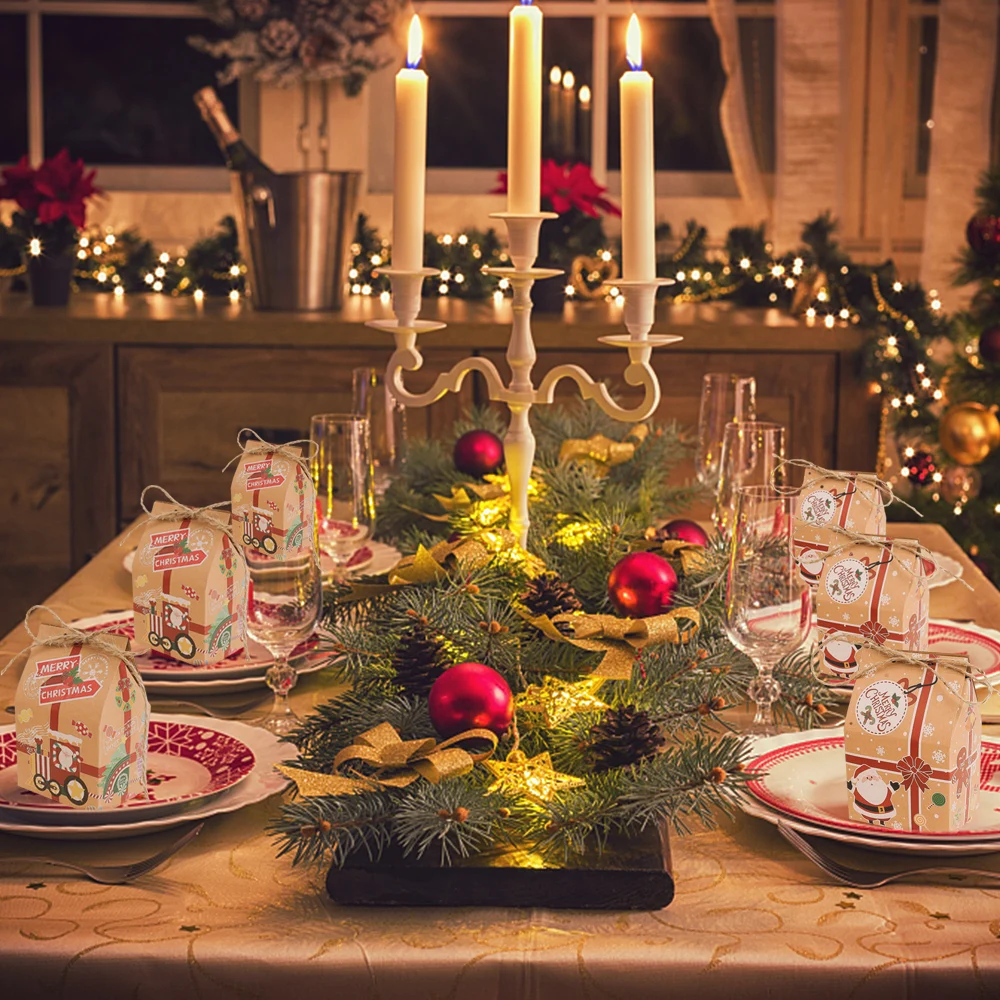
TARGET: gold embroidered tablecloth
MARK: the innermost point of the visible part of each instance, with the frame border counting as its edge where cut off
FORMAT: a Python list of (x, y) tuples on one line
[(225, 918)]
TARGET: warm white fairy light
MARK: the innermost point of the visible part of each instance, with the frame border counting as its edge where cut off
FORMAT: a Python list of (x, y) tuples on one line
[(199, 295), (157, 286), (745, 263), (84, 242), (35, 247), (938, 394), (777, 271), (497, 297), (98, 250), (909, 452), (897, 286), (445, 275), (935, 304), (81, 254), (891, 341), (896, 403), (356, 289), (119, 292), (844, 313), (909, 399), (110, 239), (504, 283), (353, 273), (442, 289), (680, 275), (925, 383), (149, 279), (376, 259), (822, 295), (159, 272), (102, 277), (828, 321), (462, 240), (937, 477), (605, 255), (696, 275), (810, 313), (570, 291), (366, 289), (164, 258), (385, 298), (957, 509), (234, 296), (789, 282), (447, 239), (235, 270)]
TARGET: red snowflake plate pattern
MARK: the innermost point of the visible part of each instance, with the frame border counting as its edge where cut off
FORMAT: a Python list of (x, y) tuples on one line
[(186, 765), (802, 775)]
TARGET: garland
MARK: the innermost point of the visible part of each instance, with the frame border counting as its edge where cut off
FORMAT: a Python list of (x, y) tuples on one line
[(616, 722)]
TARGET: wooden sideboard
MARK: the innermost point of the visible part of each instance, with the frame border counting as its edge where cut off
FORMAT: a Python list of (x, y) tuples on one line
[(107, 396)]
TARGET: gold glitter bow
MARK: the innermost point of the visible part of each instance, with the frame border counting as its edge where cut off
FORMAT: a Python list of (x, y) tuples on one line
[(619, 638), (601, 452), (397, 762), (691, 555)]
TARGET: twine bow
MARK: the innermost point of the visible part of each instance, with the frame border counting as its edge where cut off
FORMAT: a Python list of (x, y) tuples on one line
[(397, 762), (262, 447), (619, 639), (602, 452), (880, 486), (931, 661), (907, 545), (914, 771), (70, 635)]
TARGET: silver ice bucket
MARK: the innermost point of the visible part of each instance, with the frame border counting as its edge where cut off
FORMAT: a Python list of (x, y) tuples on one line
[(297, 229)]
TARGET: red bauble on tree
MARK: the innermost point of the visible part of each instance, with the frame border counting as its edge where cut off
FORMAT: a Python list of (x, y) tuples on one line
[(682, 530), (478, 453), (642, 584), (470, 696), (919, 467), (983, 234), (989, 345)]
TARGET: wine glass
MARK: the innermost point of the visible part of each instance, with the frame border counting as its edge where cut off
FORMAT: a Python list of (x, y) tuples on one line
[(283, 605), (768, 609), (753, 454), (386, 420), (344, 475), (725, 398)]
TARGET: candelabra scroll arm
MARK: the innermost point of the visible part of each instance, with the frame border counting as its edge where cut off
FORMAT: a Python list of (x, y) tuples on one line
[(636, 374), (407, 357)]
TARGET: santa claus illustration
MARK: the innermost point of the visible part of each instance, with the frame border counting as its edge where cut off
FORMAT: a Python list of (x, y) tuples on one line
[(872, 794), (840, 656), (811, 566)]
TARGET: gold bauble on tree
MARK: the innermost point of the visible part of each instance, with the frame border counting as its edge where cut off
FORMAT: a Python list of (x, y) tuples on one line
[(969, 432)]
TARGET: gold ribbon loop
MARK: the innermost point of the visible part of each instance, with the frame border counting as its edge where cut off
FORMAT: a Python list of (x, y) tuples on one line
[(602, 452), (397, 762)]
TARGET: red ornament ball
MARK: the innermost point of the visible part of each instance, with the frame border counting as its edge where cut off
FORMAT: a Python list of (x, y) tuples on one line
[(983, 234), (478, 453), (682, 530), (470, 696), (919, 467), (989, 345), (642, 584)]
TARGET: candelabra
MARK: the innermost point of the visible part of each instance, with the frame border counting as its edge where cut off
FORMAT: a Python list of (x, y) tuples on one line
[(520, 395)]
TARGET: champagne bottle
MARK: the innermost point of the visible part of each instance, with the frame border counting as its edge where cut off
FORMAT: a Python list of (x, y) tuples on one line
[(239, 156)]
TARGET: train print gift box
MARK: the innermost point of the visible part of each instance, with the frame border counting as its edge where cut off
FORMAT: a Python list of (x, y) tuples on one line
[(273, 499), (829, 503), (189, 588), (82, 723), (869, 593), (912, 740)]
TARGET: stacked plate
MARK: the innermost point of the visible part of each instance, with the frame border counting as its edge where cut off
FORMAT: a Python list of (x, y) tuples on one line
[(195, 768), (804, 784)]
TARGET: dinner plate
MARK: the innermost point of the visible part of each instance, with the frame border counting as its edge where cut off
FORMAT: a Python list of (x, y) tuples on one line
[(263, 782), (185, 765), (946, 570), (804, 777)]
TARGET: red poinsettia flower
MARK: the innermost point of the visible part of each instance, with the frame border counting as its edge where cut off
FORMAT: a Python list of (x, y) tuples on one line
[(64, 187), (18, 185), (567, 186)]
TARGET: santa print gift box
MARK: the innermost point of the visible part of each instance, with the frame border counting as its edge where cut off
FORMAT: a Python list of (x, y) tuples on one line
[(273, 498), (189, 586), (830, 503), (912, 740), (872, 592), (81, 720)]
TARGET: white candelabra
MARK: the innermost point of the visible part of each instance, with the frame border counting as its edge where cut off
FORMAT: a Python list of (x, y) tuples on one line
[(520, 395)]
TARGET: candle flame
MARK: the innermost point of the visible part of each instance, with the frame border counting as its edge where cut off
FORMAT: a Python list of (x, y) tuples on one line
[(415, 45), (555, 75), (568, 80), (633, 43), (585, 95)]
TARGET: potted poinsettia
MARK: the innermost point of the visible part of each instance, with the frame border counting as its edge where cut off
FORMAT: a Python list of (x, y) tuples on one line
[(51, 210), (570, 190)]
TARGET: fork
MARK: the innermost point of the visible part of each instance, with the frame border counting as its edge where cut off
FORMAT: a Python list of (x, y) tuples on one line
[(859, 878), (118, 874)]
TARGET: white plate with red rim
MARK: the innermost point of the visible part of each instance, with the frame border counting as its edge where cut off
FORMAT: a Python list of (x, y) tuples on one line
[(943, 569), (187, 763), (250, 662), (804, 778), (262, 782)]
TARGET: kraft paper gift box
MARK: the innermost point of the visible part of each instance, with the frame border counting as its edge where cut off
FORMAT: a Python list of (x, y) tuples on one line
[(82, 723), (828, 504), (912, 741), (872, 592), (189, 588), (273, 499)]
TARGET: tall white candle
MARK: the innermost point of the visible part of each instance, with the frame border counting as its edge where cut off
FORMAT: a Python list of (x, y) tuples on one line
[(638, 189), (410, 168), (524, 114)]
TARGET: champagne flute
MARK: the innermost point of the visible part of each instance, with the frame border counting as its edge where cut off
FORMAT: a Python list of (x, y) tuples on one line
[(725, 398), (344, 475), (283, 605), (768, 607), (387, 423), (753, 454)]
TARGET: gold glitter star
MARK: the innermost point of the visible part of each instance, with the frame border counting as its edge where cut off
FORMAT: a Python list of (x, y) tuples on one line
[(535, 778), (557, 700)]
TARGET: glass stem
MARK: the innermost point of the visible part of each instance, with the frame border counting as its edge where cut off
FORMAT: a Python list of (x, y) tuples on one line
[(765, 691)]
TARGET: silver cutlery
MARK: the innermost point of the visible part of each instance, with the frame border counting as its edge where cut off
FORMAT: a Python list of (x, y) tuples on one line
[(859, 878), (117, 874)]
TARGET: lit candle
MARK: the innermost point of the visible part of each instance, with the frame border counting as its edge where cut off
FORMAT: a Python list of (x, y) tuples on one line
[(555, 129), (524, 114), (411, 158), (569, 116), (584, 94), (638, 191)]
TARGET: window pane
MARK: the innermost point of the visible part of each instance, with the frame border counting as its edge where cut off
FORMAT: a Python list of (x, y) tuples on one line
[(926, 30), (566, 128), (466, 63), (682, 54), (14, 87), (118, 90), (757, 57)]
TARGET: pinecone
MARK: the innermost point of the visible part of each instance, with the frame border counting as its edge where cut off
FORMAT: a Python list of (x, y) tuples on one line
[(624, 736), (548, 595), (419, 659)]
